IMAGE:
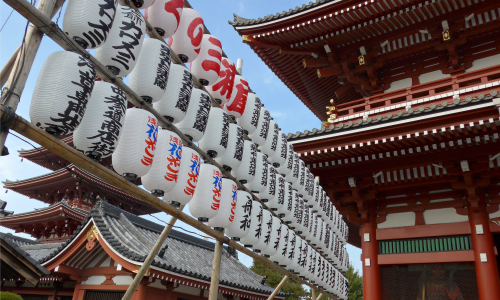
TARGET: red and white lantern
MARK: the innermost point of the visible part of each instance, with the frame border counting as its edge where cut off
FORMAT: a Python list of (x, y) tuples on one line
[(225, 216), (236, 105), (165, 169), (231, 159), (187, 178), (259, 183), (286, 168), (215, 139), (240, 226), (195, 122), (270, 145), (207, 196), (186, 41), (255, 229), (59, 109), (222, 89), (88, 22), (121, 50), (246, 172), (136, 148), (250, 117), (206, 67), (165, 16), (260, 135), (99, 132)]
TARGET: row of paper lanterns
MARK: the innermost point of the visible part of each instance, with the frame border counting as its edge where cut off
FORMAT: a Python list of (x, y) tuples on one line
[(96, 112)]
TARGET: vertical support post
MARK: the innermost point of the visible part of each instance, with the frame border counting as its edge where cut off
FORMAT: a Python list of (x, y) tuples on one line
[(313, 291), (371, 269), (484, 252), (278, 288), (22, 66), (214, 283), (149, 259)]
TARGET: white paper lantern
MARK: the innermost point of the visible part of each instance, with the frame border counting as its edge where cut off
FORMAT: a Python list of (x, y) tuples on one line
[(187, 178), (121, 50), (150, 75), (240, 226), (320, 235), (250, 117), (270, 145), (270, 191), (136, 148), (206, 66), (326, 240), (276, 203), (333, 246), (298, 215), (255, 219), (300, 184), (309, 189), (165, 169), (292, 240), (238, 101), (326, 208), (259, 182), (207, 196), (310, 264), (231, 159), (222, 89), (259, 136), (297, 256), (287, 208), (318, 194), (290, 206), (246, 172), (274, 239), (317, 273), (215, 140), (286, 168), (281, 252), (195, 122), (164, 16), (304, 267), (314, 236), (293, 177), (265, 235), (175, 101), (88, 22), (225, 216), (333, 209), (59, 109), (279, 156), (186, 41), (98, 133), (306, 232)]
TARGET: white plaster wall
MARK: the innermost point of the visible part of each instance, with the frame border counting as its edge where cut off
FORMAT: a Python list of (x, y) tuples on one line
[(431, 76), (443, 215), (400, 84), (157, 284), (398, 220), (482, 63), (94, 280), (122, 280)]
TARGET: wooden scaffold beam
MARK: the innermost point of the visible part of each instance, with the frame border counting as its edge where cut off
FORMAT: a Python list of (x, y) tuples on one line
[(278, 288)]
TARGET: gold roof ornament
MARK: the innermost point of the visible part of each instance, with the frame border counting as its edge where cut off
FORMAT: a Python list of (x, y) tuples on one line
[(446, 35), (331, 112)]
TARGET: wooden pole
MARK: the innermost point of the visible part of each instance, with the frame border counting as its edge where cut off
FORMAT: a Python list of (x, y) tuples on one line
[(313, 294), (278, 288), (320, 295), (214, 283), (149, 259)]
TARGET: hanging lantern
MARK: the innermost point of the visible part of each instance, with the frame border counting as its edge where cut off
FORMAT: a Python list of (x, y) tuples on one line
[(318, 193), (246, 172), (294, 266), (186, 41), (250, 117), (164, 16), (207, 196), (206, 66), (136, 148), (326, 209), (240, 226), (308, 264), (222, 89), (326, 240), (276, 203), (176, 99), (274, 238), (333, 209), (282, 247), (270, 191), (195, 122), (255, 219), (88, 22), (314, 234), (287, 208), (151, 85), (123, 46), (304, 267), (236, 105), (309, 189), (98, 133), (59, 110), (279, 156), (298, 215), (306, 232), (215, 140), (259, 183), (312, 266), (292, 240), (333, 246), (259, 136), (290, 219), (299, 185), (271, 143), (231, 159), (165, 168), (286, 168), (187, 178), (320, 235), (225, 216), (293, 177), (265, 237)]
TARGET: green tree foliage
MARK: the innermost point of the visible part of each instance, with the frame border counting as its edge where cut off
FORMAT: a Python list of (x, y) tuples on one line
[(9, 296), (355, 284), (274, 278)]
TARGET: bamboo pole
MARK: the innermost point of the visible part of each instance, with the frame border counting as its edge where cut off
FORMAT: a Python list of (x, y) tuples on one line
[(214, 283), (149, 259), (320, 295), (313, 294), (278, 288), (22, 64)]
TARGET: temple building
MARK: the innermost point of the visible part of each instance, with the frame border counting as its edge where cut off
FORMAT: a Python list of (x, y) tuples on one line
[(408, 149)]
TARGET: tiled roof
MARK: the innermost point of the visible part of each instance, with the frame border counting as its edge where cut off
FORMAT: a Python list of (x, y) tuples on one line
[(133, 237), (19, 241), (14, 242), (60, 204)]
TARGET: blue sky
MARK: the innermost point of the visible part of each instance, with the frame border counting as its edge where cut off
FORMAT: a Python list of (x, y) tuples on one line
[(287, 110)]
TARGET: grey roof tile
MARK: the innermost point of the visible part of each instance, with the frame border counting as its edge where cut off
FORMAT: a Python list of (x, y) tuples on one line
[(13, 241)]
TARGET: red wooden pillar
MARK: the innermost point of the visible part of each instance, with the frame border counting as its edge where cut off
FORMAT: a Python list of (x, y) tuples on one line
[(482, 243), (371, 270)]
